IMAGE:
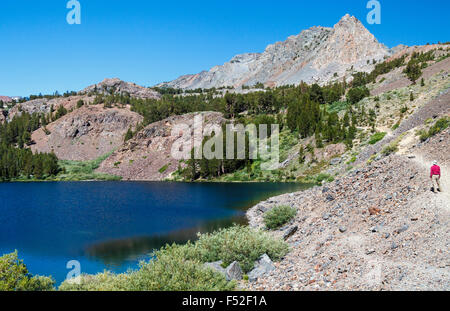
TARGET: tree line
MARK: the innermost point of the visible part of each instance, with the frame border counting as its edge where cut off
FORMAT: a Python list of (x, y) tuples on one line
[(16, 158)]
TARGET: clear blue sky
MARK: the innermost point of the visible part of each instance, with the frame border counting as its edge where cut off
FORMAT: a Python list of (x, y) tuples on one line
[(148, 42)]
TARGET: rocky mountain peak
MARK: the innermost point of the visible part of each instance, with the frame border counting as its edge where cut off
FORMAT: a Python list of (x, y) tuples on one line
[(316, 55)]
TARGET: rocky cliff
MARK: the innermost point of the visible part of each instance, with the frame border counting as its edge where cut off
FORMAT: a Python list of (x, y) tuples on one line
[(5, 99), (86, 133), (118, 86), (316, 55), (148, 155)]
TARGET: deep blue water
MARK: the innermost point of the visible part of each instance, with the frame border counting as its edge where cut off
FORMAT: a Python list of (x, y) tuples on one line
[(113, 225)]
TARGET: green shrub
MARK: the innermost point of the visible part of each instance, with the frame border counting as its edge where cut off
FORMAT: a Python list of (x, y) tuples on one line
[(376, 138), (14, 276), (83, 170), (180, 267), (237, 243), (356, 94), (389, 149), (393, 146), (168, 271), (279, 216), (105, 281), (352, 160), (323, 177), (163, 169), (438, 127)]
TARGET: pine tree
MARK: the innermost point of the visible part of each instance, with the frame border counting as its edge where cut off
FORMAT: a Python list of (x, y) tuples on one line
[(129, 134), (302, 155), (413, 71)]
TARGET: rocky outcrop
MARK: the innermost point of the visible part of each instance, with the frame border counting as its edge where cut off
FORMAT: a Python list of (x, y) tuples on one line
[(148, 155), (44, 105), (86, 133), (5, 99), (118, 86), (316, 55)]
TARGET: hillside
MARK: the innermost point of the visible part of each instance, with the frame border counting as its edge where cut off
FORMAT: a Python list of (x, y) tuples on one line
[(316, 55), (377, 226), (86, 133), (147, 156), (117, 86)]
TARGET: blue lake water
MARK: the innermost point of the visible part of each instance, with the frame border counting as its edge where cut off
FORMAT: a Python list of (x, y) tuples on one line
[(113, 225)]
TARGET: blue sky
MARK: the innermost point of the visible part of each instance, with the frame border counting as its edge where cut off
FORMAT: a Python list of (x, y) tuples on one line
[(148, 42)]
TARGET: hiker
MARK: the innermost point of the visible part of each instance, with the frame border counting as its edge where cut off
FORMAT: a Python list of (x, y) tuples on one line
[(435, 176)]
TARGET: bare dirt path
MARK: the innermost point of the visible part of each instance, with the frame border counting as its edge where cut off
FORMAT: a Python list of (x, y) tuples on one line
[(442, 198)]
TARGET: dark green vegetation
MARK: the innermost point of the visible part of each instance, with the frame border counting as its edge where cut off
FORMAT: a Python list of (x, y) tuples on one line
[(17, 162), (174, 267), (83, 170), (376, 138), (14, 276), (279, 216)]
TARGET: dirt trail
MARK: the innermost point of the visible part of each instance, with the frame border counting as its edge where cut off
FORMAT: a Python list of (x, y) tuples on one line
[(443, 197)]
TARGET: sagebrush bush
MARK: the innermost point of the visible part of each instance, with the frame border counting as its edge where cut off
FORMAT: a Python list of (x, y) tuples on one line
[(14, 276), (389, 149), (181, 267), (105, 281), (238, 243), (171, 271), (376, 138), (438, 127), (279, 216), (168, 271)]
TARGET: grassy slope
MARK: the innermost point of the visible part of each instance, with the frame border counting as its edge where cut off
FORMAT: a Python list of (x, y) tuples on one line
[(83, 170)]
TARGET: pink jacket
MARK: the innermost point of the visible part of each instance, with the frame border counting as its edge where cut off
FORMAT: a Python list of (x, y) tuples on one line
[(435, 170)]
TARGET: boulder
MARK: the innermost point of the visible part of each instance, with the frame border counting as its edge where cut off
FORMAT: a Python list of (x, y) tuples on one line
[(290, 232), (216, 266), (263, 266), (234, 272)]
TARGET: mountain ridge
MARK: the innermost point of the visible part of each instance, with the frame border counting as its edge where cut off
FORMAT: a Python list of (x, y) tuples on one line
[(316, 55)]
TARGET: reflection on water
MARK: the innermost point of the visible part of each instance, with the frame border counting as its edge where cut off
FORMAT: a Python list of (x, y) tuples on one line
[(115, 252), (113, 224)]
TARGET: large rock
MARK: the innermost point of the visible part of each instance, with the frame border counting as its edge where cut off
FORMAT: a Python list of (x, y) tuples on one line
[(234, 272), (263, 266), (216, 266), (290, 232)]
